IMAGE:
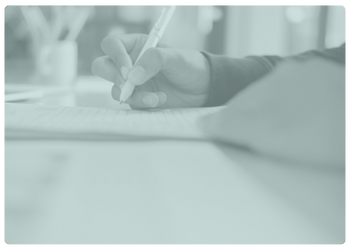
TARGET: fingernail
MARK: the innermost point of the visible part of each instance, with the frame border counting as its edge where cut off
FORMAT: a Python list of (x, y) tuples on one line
[(124, 72), (150, 100), (137, 75), (161, 97)]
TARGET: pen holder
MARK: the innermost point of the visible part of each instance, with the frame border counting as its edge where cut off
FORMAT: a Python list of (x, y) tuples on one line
[(57, 63)]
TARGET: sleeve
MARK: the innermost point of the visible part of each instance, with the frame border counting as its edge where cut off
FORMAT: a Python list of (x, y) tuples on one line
[(231, 75)]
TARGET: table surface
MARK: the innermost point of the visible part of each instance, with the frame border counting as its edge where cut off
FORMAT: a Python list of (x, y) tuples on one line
[(165, 191), (86, 91)]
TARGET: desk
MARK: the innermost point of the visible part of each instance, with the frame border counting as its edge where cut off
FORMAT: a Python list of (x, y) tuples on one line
[(166, 191), (87, 91)]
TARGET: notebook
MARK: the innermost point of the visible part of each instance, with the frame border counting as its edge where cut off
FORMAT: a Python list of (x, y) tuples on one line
[(49, 121)]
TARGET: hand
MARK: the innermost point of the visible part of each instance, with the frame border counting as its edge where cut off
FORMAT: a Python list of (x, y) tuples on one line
[(164, 77), (297, 113)]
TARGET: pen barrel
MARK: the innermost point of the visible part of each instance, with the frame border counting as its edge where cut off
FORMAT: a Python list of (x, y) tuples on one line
[(153, 38), (127, 90), (158, 29), (128, 86), (163, 20)]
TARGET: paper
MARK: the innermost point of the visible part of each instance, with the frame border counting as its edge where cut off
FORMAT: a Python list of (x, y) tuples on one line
[(23, 120)]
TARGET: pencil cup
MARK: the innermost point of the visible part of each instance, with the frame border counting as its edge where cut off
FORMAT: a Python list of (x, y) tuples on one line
[(57, 63)]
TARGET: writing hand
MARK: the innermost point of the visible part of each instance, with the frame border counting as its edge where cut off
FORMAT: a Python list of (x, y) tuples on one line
[(164, 77)]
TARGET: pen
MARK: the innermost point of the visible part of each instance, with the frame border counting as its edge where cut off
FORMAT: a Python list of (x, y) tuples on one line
[(152, 41)]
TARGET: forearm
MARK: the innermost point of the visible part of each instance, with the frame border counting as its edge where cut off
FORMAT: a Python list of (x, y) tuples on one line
[(229, 75)]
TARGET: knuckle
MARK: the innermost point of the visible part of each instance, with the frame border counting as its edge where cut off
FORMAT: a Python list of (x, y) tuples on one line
[(108, 41)]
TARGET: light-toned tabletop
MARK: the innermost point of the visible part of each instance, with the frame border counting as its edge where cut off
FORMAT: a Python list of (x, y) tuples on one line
[(165, 191)]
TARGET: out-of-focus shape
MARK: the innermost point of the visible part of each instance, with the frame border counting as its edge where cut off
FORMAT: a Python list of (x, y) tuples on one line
[(335, 34), (133, 14), (205, 19), (57, 63), (295, 14), (296, 113)]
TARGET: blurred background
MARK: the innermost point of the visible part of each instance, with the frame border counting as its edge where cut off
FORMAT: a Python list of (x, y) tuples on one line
[(236, 31)]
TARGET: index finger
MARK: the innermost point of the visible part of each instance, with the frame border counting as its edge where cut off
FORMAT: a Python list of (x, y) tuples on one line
[(118, 47), (115, 49), (124, 49)]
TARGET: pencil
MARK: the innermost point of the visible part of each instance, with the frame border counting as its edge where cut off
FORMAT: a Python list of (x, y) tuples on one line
[(78, 24), (58, 23), (41, 22), (33, 29)]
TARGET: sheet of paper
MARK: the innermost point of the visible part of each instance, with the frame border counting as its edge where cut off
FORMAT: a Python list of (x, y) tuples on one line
[(22, 120)]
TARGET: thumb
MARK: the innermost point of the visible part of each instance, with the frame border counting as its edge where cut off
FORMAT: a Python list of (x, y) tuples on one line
[(149, 64)]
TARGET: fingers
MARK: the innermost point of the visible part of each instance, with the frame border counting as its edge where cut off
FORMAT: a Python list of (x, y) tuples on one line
[(106, 69), (141, 99), (114, 48), (150, 63), (123, 50)]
